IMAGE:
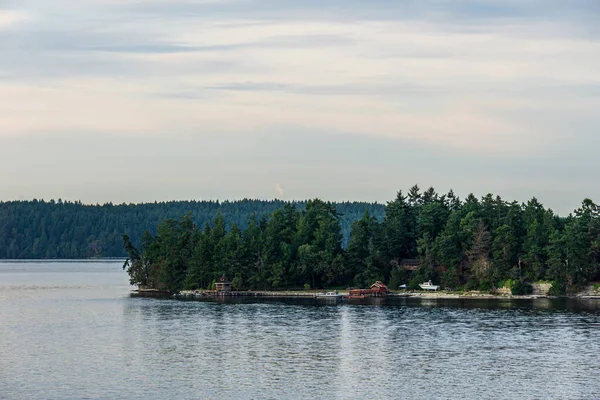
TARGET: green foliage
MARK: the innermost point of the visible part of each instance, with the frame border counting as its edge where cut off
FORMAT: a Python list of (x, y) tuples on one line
[(290, 248), (134, 264), (61, 229), (485, 285), (557, 289), (362, 254), (398, 277), (520, 288), (413, 283), (475, 244), (450, 279), (507, 283)]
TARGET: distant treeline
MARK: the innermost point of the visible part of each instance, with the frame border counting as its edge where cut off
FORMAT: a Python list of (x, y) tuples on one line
[(472, 244), (60, 229)]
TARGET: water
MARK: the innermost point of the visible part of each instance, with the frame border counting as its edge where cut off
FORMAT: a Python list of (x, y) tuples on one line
[(69, 330)]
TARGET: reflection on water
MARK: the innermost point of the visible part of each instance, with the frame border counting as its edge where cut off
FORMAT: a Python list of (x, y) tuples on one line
[(73, 331)]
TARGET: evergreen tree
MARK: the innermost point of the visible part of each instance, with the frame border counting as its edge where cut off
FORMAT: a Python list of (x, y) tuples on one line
[(360, 256), (478, 243)]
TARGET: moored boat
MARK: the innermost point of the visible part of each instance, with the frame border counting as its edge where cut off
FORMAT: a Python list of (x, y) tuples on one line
[(329, 295), (428, 286)]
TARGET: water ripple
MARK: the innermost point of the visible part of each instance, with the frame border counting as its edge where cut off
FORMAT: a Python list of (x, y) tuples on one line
[(75, 333)]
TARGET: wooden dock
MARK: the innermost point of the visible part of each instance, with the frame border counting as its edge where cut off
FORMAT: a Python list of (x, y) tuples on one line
[(189, 294)]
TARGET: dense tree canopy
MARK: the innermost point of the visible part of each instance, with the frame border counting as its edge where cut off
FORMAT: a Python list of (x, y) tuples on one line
[(59, 229), (475, 244)]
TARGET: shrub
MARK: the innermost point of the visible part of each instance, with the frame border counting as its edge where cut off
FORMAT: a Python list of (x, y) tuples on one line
[(459, 289), (507, 283), (413, 284), (450, 278), (485, 285), (306, 286), (521, 288), (596, 286), (471, 284), (397, 277), (237, 283), (557, 289)]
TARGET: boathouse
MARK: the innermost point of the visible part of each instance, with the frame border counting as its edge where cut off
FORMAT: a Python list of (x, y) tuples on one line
[(223, 285), (379, 288)]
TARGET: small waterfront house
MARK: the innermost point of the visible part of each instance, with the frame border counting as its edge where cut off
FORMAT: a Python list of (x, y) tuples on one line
[(410, 264), (379, 288), (223, 285)]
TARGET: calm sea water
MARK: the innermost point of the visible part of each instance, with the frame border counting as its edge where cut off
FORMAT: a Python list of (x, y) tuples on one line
[(70, 330)]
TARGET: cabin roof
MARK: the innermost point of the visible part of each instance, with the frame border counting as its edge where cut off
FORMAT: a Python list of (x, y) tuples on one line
[(379, 284), (410, 261)]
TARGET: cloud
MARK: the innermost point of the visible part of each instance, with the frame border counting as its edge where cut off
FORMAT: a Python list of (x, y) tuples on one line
[(10, 18), (512, 79), (461, 14)]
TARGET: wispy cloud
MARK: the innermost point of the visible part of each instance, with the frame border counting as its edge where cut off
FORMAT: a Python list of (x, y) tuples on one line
[(10, 18), (512, 79)]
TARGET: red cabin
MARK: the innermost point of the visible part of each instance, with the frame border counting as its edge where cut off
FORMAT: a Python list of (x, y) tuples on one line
[(379, 288)]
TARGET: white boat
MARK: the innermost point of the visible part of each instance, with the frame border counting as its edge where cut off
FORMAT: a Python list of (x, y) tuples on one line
[(330, 295), (429, 286)]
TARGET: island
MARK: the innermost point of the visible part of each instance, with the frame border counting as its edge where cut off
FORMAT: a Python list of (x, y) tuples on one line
[(477, 244)]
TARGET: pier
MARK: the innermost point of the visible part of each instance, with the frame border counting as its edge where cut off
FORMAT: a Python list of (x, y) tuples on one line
[(187, 294)]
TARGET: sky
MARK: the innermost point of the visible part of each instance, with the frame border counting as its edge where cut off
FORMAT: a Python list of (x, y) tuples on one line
[(144, 100)]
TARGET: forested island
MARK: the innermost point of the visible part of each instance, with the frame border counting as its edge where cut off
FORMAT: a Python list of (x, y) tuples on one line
[(470, 244), (41, 229)]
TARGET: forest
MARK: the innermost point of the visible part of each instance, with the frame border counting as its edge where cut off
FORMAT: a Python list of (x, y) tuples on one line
[(470, 244), (60, 229)]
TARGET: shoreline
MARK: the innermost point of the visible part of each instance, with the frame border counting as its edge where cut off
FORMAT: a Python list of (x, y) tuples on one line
[(189, 294)]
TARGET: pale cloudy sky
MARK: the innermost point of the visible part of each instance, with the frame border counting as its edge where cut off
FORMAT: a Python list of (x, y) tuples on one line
[(143, 100)]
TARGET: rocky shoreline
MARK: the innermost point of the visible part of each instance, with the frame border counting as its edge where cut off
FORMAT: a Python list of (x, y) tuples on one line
[(442, 295), (449, 295)]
